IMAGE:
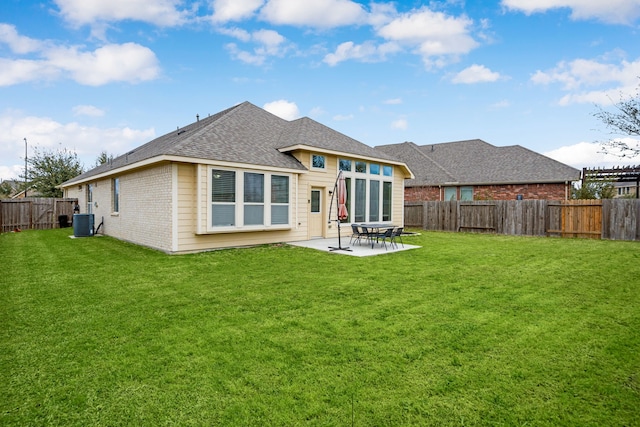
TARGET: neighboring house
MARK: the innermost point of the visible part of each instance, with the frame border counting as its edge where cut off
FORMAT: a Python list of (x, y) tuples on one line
[(476, 170), (240, 177), (625, 190)]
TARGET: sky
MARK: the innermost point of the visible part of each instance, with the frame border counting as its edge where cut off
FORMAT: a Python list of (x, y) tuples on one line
[(95, 75)]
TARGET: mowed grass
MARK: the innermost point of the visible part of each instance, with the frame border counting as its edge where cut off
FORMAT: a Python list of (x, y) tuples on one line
[(468, 330)]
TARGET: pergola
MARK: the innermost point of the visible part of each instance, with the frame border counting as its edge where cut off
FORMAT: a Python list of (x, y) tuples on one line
[(616, 174)]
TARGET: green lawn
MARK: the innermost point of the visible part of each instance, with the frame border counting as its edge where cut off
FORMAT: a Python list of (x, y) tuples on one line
[(469, 330)]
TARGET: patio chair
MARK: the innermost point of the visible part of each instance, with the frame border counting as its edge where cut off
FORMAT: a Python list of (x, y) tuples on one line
[(387, 234), (367, 233), (356, 234), (397, 232)]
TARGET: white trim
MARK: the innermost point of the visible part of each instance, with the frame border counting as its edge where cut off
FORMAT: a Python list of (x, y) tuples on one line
[(304, 147), (199, 203), (181, 159), (174, 208), (239, 203)]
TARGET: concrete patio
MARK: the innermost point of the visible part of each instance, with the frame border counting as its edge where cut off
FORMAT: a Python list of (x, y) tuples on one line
[(356, 249)]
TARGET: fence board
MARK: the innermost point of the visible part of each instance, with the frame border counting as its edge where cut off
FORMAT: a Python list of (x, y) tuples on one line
[(617, 219), (34, 213)]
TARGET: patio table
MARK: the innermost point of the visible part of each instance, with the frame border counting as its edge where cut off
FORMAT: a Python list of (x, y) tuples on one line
[(374, 229)]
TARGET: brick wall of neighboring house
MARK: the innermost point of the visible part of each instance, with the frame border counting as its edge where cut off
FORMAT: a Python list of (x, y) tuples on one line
[(496, 192)]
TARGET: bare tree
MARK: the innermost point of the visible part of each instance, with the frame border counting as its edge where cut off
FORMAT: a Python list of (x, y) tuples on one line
[(624, 121)]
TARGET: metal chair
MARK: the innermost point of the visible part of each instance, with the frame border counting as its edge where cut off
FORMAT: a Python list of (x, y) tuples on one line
[(387, 234), (356, 234), (397, 232)]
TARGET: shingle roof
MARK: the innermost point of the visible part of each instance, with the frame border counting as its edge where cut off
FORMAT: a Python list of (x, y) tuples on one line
[(478, 162), (242, 134)]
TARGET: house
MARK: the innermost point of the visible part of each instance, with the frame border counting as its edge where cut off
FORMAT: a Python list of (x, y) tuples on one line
[(477, 170), (240, 177)]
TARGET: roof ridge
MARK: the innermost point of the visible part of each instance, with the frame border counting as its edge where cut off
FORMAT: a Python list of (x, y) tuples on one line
[(418, 148)]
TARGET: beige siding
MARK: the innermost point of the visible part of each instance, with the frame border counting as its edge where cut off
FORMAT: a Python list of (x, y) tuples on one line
[(165, 207), (192, 236)]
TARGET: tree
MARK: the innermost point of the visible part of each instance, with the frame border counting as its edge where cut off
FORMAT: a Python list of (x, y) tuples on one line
[(50, 168), (103, 158), (594, 189), (6, 189), (624, 121)]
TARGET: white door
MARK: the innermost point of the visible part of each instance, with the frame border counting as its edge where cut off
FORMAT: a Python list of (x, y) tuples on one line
[(316, 214)]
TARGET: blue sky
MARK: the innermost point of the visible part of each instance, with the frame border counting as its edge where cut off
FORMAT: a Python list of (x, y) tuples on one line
[(94, 75)]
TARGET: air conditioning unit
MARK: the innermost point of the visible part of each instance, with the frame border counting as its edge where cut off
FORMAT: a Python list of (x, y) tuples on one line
[(83, 225)]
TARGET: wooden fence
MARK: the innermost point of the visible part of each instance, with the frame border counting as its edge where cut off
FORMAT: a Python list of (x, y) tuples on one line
[(616, 219), (36, 213)]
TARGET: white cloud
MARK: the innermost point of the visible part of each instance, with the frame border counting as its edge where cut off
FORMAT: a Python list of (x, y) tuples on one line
[(128, 62), (606, 80), (283, 109), (366, 52), (46, 133), (88, 110), (17, 43), (268, 43), (234, 10), (476, 74), (611, 11), (437, 37), (400, 124), (164, 13), (585, 154), (316, 13)]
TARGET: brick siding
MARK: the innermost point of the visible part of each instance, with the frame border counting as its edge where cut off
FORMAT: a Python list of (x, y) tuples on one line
[(557, 191)]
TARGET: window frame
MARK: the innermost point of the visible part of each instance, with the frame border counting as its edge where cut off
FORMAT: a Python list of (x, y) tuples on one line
[(324, 162), (383, 176), (239, 202), (115, 195)]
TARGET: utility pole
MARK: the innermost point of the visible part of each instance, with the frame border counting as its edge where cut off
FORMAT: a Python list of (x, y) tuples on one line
[(25, 168)]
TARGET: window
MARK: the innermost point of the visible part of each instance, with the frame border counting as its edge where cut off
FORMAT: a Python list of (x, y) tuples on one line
[(115, 195), (369, 198), (360, 200), (374, 201), (223, 198), (450, 193), (386, 200), (279, 199), (248, 199), (89, 198), (317, 161), (315, 201), (253, 198), (466, 193)]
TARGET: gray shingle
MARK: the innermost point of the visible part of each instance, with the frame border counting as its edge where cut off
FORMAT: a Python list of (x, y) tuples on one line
[(476, 162), (242, 134)]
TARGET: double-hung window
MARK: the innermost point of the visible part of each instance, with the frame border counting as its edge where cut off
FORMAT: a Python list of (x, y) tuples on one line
[(242, 199)]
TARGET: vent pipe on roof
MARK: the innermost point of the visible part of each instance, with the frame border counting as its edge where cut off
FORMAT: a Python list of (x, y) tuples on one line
[(197, 117)]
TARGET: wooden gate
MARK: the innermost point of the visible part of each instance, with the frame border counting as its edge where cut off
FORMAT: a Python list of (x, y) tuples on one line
[(576, 218)]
